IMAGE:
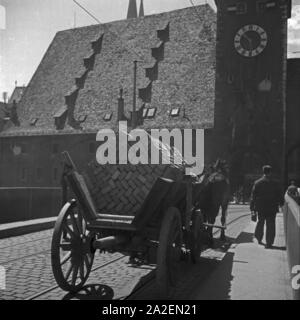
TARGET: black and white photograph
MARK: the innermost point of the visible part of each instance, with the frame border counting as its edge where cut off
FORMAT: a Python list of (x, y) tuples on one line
[(149, 150)]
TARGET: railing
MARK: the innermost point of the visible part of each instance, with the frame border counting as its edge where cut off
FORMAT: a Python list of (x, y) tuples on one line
[(292, 234)]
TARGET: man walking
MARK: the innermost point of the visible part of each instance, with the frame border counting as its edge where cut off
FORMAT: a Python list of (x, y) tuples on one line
[(266, 197)]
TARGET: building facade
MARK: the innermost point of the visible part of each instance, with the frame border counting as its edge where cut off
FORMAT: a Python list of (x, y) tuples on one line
[(224, 73), (251, 71), (292, 120)]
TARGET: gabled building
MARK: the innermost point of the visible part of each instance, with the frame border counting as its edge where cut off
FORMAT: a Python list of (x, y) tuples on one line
[(75, 92)]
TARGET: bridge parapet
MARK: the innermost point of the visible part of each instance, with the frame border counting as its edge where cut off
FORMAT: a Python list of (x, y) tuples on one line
[(291, 212)]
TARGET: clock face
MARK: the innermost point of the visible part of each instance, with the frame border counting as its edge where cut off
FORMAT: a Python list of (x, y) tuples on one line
[(251, 40)]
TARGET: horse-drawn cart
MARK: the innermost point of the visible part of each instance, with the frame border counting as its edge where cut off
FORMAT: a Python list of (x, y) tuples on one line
[(166, 224)]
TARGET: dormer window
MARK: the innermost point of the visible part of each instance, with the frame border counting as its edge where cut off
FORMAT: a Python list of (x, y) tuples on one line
[(151, 112), (60, 117), (82, 118), (33, 121), (107, 116), (145, 112), (175, 112)]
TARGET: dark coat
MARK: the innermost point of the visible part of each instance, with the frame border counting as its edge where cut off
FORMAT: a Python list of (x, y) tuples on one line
[(266, 196)]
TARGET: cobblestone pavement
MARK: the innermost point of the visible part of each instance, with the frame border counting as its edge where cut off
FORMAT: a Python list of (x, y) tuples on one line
[(28, 269)]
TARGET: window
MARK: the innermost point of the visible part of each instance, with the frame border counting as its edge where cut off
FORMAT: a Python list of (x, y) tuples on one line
[(151, 112), (39, 174), (241, 8), (82, 118), (145, 112), (175, 112), (33, 121), (231, 8), (107, 116), (262, 6)]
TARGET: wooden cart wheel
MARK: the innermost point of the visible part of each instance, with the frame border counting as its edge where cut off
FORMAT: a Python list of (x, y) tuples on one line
[(169, 251), (72, 255), (197, 234)]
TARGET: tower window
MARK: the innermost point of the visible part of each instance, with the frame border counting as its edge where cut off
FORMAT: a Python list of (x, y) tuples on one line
[(262, 6), (231, 8), (241, 8)]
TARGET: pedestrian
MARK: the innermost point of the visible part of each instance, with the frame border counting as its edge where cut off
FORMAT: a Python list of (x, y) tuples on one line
[(293, 191), (266, 197)]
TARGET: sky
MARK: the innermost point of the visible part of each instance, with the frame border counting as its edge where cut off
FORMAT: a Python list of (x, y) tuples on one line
[(27, 28)]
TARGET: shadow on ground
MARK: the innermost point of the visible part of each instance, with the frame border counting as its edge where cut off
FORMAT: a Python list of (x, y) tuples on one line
[(209, 279), (92, 292)]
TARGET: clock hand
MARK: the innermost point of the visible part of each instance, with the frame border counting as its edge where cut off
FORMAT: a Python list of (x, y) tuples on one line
[(249, 41)]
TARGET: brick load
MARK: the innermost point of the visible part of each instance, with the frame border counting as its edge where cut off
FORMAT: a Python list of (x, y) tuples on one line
[(122, 189)]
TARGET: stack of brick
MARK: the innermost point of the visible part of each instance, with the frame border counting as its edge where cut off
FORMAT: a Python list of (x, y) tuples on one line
[(122, 189)]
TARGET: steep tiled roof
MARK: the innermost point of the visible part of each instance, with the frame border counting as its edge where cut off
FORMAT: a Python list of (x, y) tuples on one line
[(177, 47)]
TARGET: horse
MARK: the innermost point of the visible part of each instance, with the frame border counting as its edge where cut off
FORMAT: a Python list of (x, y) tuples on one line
[(214, 194)]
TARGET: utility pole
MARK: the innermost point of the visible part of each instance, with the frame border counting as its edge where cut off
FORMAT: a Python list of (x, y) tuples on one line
[(134, 115)]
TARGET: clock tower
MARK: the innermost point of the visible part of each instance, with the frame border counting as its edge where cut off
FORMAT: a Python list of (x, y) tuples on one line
[(251, 59)]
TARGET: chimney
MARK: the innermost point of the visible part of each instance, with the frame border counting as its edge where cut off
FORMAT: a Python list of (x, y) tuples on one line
[(132, 9), (4, 95), (121, 115), (142, 13)]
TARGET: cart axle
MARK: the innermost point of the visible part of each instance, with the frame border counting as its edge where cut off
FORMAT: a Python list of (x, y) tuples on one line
[(109, 242)]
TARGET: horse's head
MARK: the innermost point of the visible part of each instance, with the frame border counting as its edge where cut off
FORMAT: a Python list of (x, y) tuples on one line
[(222, 167)]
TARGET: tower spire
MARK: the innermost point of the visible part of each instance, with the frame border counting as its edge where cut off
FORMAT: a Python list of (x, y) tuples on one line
[(142, 13), (132, 9)]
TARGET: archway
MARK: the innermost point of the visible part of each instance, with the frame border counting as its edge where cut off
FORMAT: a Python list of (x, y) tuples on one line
[(245, 167)]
